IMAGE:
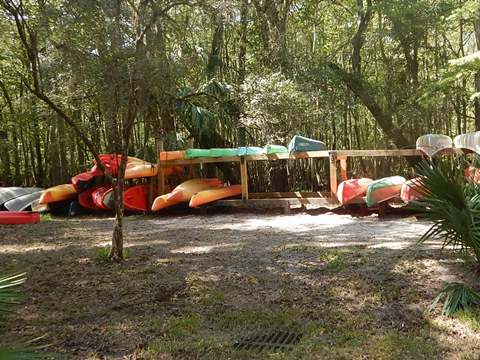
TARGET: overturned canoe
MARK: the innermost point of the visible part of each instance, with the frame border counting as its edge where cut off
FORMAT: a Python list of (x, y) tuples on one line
[(301, 144), (9, 193), (351, 190), (85, 198), (275, 149), (135, 198), (19, 217), (58, 193), (85, 180), (184, 192), (97, 197), (431, 144), (468, 141), (412, 190), (384, 189), (209, 196), (23, 202)]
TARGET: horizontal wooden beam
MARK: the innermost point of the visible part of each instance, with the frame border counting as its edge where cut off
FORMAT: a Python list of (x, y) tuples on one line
[(279, 203), (341, 154)]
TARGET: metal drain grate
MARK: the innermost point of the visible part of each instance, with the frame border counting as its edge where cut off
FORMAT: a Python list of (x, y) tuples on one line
[(282, 340)]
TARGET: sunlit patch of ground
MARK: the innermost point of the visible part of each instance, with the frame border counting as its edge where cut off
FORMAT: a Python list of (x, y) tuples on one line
[(355, 287)]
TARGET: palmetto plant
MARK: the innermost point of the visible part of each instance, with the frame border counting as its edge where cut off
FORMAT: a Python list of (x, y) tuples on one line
[(453, 205), (9, 296)]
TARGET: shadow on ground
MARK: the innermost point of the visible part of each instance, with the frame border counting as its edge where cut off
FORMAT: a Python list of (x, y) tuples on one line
[(354, 287)]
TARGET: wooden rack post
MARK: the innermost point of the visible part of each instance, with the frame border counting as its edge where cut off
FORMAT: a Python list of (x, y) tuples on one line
[(332, 155), (343, 167), (160, 170), (244, 178)]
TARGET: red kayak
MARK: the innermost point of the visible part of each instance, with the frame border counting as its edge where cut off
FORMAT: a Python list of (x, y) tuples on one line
[(86, 198), (85, 180), (19, 217), (135, 198), (97, 197), (353, 189)]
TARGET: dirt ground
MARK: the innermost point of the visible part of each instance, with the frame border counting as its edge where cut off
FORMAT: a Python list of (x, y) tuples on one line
[(353, 287)]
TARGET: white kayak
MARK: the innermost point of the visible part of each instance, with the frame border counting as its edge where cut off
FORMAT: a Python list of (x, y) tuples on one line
[(431, 144), (469, 141), (23, 202), (9, 193)]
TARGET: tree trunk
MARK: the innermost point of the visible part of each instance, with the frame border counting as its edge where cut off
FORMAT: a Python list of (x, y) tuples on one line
[(214, 59), (477, 80), (242, 46)]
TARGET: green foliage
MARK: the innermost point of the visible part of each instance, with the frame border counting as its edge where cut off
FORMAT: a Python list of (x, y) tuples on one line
[(457, 296), (102, 254), (8, 292), (8, 299), (452, 206)]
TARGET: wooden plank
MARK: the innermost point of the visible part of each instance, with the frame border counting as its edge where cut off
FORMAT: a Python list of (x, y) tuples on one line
[(380, 153), (244, 178), (300, 155), (333, 173), (289, 194), (279, 203), (343, 169), (205, 160), (161, 170)]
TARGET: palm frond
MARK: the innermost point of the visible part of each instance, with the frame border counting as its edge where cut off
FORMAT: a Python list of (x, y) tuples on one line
[(457, 296), (8, 294), (452, 205)]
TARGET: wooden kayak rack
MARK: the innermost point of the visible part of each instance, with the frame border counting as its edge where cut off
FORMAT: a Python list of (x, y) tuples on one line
[(338, 159)]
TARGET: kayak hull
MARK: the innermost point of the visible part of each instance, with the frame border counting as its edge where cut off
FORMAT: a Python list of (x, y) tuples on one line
[(58, 193), (384, 189), (10, 193), (19, 217), (135, 198), (23, 202), (412, 190), (209, 196), (351, 190), (184, 192)]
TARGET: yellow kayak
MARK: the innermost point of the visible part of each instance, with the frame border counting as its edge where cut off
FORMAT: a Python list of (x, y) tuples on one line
[(58, 193), (184, 192), (208, 196)]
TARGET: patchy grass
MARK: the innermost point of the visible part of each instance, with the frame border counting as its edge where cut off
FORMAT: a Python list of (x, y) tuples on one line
[(184, 293)]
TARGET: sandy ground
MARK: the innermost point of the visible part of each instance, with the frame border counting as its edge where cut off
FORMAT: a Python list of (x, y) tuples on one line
[(336, 272)]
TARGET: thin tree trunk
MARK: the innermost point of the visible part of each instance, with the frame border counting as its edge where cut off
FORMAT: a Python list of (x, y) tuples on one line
[(477, 80)]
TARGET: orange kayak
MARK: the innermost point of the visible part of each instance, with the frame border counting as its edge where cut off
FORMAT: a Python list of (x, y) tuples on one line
[(352, 189), (184, 192), (58, 193), (412, 190), (146, 169), (208, 196)]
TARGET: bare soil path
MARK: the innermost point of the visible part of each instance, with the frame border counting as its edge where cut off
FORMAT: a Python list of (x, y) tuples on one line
[(354, 287)]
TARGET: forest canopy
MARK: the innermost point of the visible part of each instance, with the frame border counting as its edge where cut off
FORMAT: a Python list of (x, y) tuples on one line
[(355, 74)]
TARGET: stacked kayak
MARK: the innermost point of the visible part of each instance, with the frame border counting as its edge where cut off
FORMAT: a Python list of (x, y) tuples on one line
[(58, 193), (412, 190), (431, 144), (208, 196), (24, 202), (19, 217), (352, 190), (184, 192), (301, 144), (384, 189), (10, 193), (469, 141)]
